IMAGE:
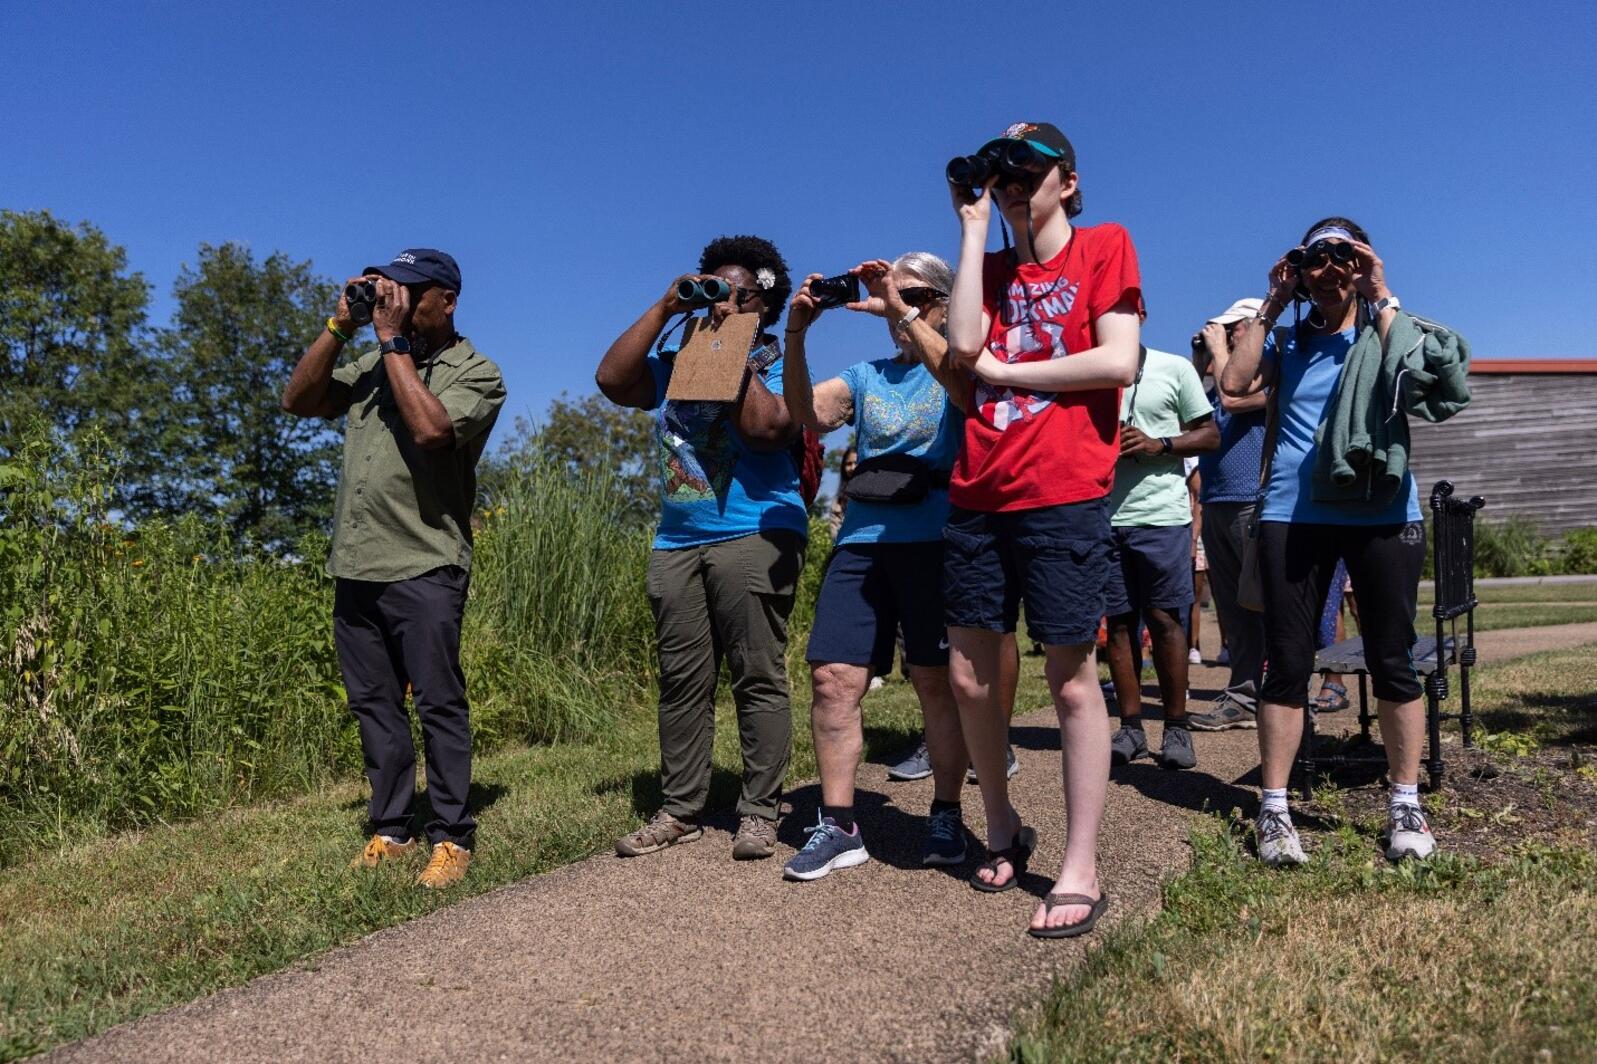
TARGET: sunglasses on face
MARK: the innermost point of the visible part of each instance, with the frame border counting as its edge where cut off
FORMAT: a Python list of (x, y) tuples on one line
[(1320, 252), (746, 295), (919, 296)]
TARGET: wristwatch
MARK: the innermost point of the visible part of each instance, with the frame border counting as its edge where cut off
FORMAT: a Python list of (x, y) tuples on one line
[(397, 343), (1390, 302), (902, 328), (1165, 443)]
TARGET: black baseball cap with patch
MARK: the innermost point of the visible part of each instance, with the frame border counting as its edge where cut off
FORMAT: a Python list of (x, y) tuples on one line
[(420, 266), (1044, 136)]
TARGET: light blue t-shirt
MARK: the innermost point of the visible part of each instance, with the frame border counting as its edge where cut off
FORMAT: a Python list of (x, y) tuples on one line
[(899, 408), (1306, 381), (714, 487)]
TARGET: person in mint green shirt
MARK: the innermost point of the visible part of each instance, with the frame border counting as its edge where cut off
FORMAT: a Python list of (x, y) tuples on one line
[(1164, 417)]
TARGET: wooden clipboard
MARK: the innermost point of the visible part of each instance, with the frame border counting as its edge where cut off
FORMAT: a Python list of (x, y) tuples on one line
[(713, 359)]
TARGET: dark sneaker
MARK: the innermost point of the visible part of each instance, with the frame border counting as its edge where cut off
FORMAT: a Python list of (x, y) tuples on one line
[(756, 838), (1177, 751), (917, 766), (945, 839), (1128, 745), (1225, 714), (1011, 767), (829, 848), (1407, 834), (664, 830)]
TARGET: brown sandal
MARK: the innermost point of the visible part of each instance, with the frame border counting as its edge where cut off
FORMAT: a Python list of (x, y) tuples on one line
[(1080, 927), (1017, 853)]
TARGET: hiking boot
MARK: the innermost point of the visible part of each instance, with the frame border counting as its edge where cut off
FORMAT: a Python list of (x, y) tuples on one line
[(664, 830), (1128, 745), (446, 868), (1277, 839), (917, 766), (945, 839), (1225, 714), (1177, 751), (756, 838), (829, 848), (382, 848), (1011, 767), (1408, 834)]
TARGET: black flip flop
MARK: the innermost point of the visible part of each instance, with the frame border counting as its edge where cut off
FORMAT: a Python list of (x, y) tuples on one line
[(1080, 927), (1017, 853)]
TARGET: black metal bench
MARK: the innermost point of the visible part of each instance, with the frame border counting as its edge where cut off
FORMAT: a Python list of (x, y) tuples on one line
[(1453, 540)]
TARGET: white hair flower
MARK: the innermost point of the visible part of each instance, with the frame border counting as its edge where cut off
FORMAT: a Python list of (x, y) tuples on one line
[(765, 277)]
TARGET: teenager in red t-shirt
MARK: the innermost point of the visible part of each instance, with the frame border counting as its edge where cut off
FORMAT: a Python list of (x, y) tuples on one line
[(1050, 333)]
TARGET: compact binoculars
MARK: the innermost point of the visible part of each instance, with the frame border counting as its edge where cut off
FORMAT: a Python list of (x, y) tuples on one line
[(835, 291), (702, 293), (1316, 253), (1010, 160), (360, 296)]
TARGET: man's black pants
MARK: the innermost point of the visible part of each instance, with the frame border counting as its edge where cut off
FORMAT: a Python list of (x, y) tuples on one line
[(408, 632)]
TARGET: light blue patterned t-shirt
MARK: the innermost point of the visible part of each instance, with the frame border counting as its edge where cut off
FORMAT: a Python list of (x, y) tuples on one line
[(713, 486), (899, 408)]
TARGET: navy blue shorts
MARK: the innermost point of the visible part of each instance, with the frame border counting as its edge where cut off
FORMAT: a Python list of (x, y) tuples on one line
[(1152, 569), (1054, 559), (871, 590)]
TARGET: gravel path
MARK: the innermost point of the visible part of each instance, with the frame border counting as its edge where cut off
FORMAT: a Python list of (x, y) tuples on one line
[(687, 955)]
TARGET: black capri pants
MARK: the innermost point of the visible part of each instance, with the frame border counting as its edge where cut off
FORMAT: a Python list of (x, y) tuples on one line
[(1296, 562)]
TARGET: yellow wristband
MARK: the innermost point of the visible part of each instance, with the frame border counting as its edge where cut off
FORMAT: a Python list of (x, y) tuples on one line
[(333, 328)]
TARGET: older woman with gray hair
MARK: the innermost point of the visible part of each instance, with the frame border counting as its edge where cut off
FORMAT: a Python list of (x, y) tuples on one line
[(886, 566)]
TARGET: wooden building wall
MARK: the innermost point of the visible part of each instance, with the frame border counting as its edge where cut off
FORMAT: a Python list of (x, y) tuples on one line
[(1527, 442)]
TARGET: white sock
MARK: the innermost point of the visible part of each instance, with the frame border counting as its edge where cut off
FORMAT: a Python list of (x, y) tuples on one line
[(1274, 800), (1404, 794)]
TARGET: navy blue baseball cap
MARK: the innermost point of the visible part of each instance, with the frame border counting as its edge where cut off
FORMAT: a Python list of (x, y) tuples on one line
[(419, 266)]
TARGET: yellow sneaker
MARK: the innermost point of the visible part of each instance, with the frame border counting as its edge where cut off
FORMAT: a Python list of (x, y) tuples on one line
[(381, 849), (446, 868)]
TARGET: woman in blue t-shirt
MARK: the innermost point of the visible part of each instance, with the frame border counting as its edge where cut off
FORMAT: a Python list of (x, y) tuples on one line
[(1301, 538), (885, 571)]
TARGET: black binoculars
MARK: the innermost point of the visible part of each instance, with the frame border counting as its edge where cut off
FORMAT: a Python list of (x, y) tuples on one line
[(1010, 160), (835, 291), (701, 293), (360, 297), (1315, 254)]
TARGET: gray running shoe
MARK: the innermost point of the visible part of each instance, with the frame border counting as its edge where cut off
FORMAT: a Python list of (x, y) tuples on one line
[(1225, 714), (1128, 745), (917, 766), (1277, 839), (1177, 751), (1011, 767), (1408, 834), (664, 830), (945, 839), (756, 838), (829, 848)]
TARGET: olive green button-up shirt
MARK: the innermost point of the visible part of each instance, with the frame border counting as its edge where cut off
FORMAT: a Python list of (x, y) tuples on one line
[(401, 510)]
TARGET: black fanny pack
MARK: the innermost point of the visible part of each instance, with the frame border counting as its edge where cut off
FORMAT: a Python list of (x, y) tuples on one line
[(894, 480)]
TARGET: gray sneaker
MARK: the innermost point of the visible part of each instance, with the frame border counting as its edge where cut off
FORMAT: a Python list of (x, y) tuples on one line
[(1128, 745), (1011, 767), (829, 848), (664, 830), (1407, 834), (1177, 751), (1225, 714), (756, 838), (1277, 839), (917, 766)]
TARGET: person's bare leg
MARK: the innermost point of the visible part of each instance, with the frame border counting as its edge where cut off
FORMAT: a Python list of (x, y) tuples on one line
[(1195, 623), (1403, 734), (1169, 661), (974, 671), (1280, 732), (945, 742), (835, 723), (1009, 678), (1084, 734), (1123, 666)]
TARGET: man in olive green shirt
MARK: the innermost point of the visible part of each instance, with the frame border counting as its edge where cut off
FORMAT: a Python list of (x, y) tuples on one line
[(419, 410)]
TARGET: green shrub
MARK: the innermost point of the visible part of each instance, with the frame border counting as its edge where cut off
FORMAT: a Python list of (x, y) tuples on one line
[(1510, 548), (1579, 553)]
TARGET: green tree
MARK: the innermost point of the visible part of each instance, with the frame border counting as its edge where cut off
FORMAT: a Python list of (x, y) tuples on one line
[(223, 443), (72, 326), (590, 433)]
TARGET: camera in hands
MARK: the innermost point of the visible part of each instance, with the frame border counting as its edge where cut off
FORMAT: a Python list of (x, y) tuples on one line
[(835, 291)]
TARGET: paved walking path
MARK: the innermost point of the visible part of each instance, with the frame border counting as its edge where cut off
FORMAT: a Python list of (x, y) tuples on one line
[(686, 955)]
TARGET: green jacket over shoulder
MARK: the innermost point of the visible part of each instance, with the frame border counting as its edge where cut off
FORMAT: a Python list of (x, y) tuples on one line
[(1362, 449)]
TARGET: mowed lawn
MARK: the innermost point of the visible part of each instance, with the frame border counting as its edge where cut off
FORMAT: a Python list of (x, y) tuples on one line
[(1522, 605)]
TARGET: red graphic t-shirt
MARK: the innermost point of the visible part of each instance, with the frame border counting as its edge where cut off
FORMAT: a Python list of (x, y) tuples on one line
[(1025, 449)]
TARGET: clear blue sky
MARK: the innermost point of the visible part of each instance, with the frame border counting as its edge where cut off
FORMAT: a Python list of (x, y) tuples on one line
[(575, 157)]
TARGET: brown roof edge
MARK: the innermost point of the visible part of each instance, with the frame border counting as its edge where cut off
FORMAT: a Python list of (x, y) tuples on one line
[(1533, 365)]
